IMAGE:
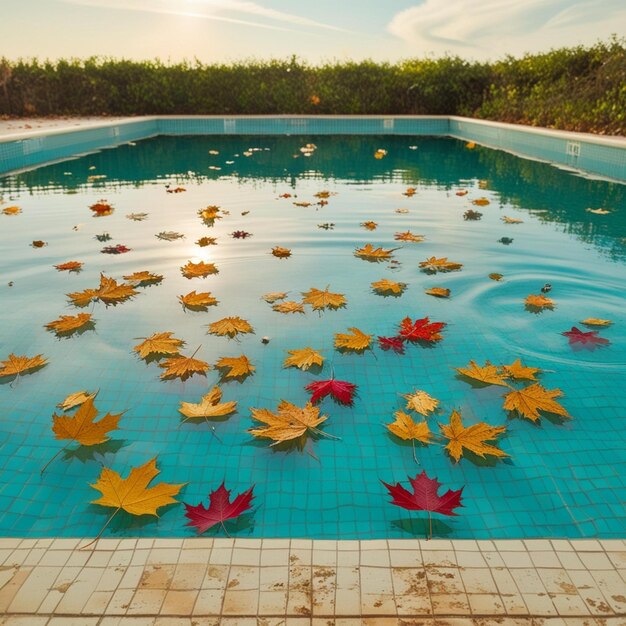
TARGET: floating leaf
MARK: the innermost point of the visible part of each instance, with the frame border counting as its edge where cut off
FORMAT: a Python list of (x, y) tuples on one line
[(369, 225), (472, 438), (598, 211), (210, 406), (274, 296), (82, 428), (511, 220), (230, 326), (487, 374), (11, 210), (320, 300), (240, 234), (109, 292), (530, 401), (438, 292), (70, 266), (304, 358), (369, 253), (18, 365), (462, 192), (356, 340), (471, 215), (386, 286), (75, 399), (594, 321), (409, 236), (118, 249), (396, 344), (289, 307), (175, 189), (220, 509), (103, 237), (421, 329), (38, 244), (183, 367), (68, 324), (203, 242), (589, 339), (289, 423), (169, 235), (496, 276), (235, 367), (281, 253), (101, 208), (481, 202), (198, 270), (210, 214), (421, 402), (143, 279), (159, 344), (137, 217), (519, 371), (380, 153), (433, 265), (409, 430), (340, 390), (539, 302), (411, 191), (197, 301)]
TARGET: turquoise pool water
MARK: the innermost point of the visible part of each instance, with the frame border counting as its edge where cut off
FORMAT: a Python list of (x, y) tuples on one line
[(565, 480)]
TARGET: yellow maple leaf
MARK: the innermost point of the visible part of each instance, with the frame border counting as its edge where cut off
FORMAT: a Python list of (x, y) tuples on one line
[(209, 406), (288, 307), (274, 296), (290, 422), (69, 266), (159, 343), (534, 302), (83, 298), (183, 367), (487, 374), (408, 430), (210, 214), (438, 292), (132, 494), (319, 299), (411, 191), (433, 265), (520, 372), (18, 365), (197, 301), (11, 210), (112, 292), (82, 427), (281, 253), (409, 236), (495, 276), (421, 402), (203, 242), (481, 202), (472, 438), (369, 253), (76, 399), (304, 358), (356, 340), (68, 324), (511, 220), (143, 279), (369, 225), (386, 286), (230, 326), (594, 321), (198, 270), (530, 401), (235, 367)]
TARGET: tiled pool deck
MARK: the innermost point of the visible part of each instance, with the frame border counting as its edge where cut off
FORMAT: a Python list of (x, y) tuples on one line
[(296, 582)]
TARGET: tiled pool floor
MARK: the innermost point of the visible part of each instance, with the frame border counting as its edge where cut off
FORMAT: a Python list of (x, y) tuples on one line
[(272, 582)]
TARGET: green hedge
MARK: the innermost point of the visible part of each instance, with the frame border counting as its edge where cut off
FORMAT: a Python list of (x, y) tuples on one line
[(581, 88)]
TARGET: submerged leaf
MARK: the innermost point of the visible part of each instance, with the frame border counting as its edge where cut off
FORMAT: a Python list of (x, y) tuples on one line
[(274, 296)]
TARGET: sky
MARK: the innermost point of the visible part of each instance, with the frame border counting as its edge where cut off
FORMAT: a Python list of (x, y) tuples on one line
[(315, 31)]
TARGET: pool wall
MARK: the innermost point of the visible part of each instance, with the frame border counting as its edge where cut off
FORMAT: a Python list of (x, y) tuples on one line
[(592, 154)]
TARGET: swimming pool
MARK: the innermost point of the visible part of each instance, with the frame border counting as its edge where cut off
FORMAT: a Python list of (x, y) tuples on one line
[(559, 479)]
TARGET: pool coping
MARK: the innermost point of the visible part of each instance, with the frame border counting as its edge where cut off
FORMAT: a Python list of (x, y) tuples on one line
[(298, 581)]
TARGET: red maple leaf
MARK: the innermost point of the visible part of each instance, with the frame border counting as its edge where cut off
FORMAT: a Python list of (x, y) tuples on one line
[(590, 339), (392, 343), (220, 509), (424, 496), (119, 249), (420, 330), (341, 390)]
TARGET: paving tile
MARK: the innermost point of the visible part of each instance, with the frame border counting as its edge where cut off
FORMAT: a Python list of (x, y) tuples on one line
[(378, 604), (539, 604), (33, 590), (446, 580), (240, 602), (595, 560), (446, 604), (567, 604), (545, 559), (272, 602), (486, 604), (179, 602), (97, 603), (208, 602), (479, 581), (374, 558), (146, 601), (120, 601), (188, 576)]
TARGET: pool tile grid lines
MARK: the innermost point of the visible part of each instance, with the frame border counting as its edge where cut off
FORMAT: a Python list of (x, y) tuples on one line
[(282, 581), (596, 155)]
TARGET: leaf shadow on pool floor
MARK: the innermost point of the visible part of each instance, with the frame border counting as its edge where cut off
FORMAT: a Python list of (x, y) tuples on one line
[(90, 453), (419, 527)]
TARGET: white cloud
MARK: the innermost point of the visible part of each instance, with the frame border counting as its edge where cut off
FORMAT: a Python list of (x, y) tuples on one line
[(210, 10), (491, 28)]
